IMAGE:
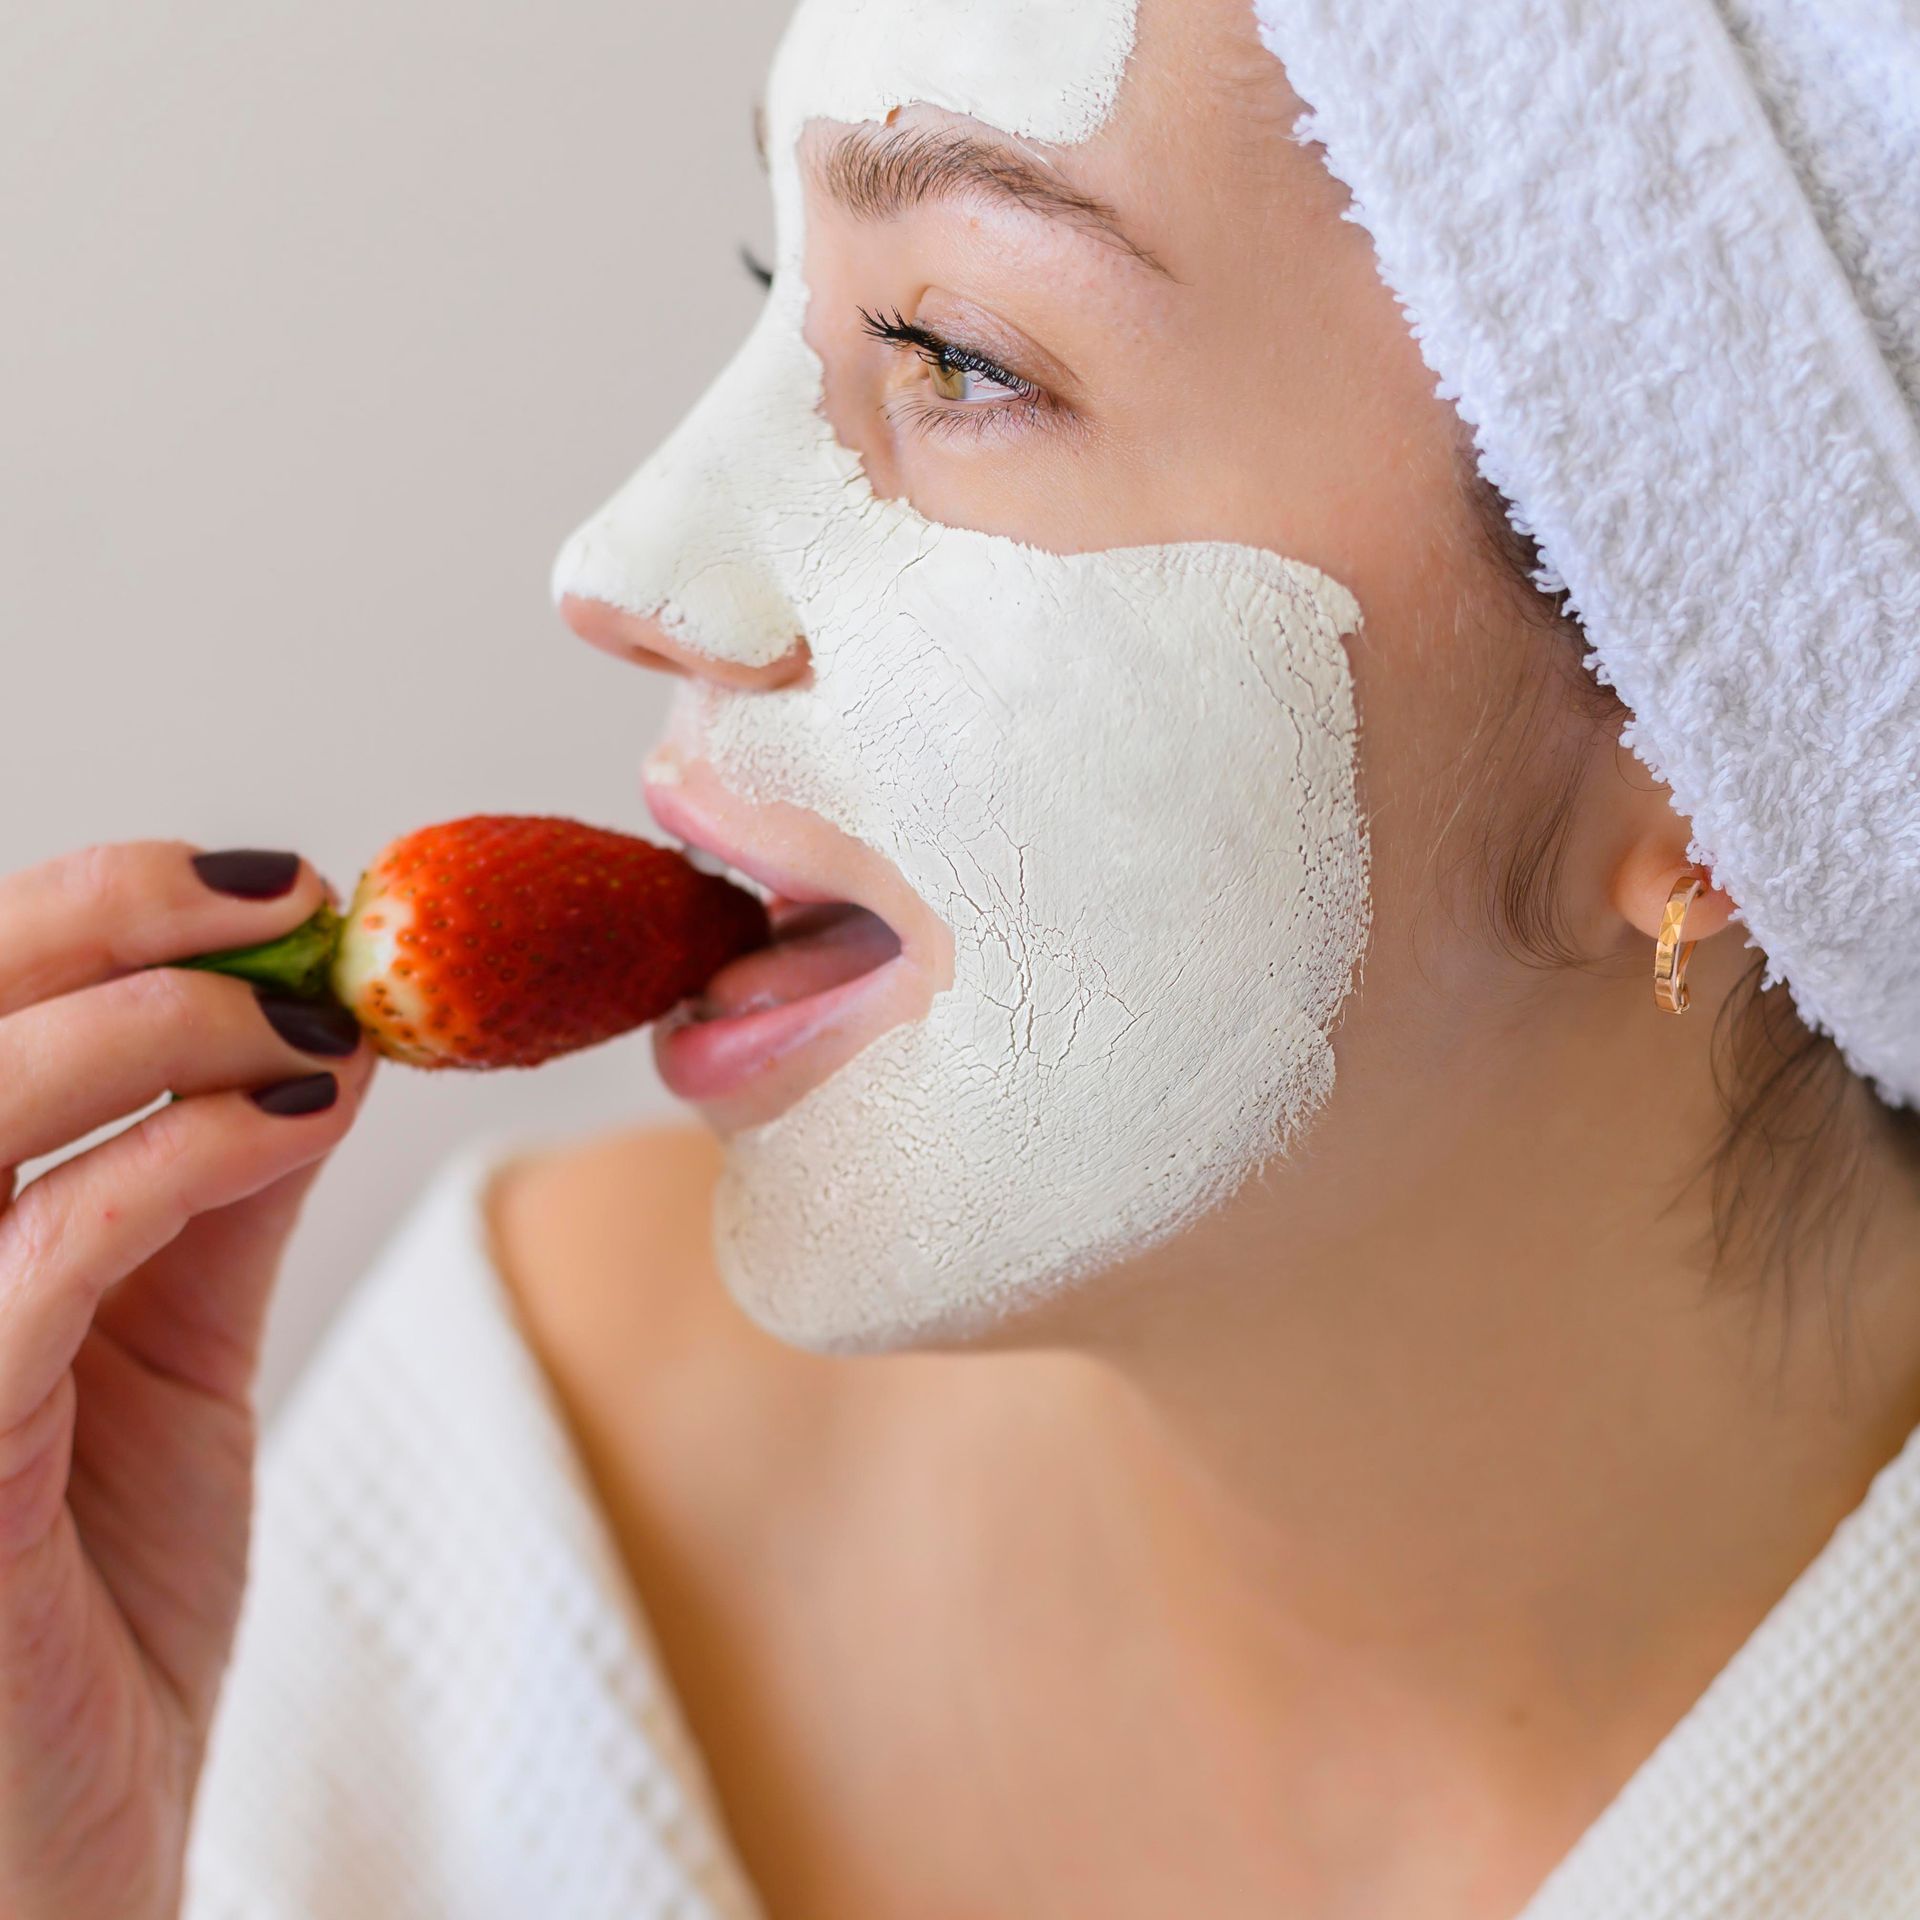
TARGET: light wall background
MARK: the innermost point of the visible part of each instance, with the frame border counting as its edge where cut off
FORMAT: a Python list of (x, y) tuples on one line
[(322, 325)]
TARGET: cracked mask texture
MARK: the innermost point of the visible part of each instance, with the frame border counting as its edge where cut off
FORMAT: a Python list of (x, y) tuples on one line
[(1125, 779)]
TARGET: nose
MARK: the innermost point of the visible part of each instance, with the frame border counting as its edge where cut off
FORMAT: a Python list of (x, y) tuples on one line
[(646, 643)]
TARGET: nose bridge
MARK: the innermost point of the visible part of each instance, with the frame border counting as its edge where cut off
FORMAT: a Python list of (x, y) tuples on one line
[(702, 537)]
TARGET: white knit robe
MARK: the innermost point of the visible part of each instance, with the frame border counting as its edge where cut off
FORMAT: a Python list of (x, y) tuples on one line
[(444, 1704)]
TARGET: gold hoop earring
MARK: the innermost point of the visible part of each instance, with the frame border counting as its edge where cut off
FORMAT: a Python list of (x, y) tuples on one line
[(1669, 956)]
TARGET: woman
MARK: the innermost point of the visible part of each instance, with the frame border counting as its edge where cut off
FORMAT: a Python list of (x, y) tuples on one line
[(1378, 1417)]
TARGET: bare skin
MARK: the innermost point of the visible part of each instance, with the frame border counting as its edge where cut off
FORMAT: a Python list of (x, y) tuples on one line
[(1343, 1557), (962, 1636), (134, 1281), (1348, 1555)]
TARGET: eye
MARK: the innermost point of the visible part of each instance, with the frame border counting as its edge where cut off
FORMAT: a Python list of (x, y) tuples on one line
[(759, 270), (953, 380), (967, 380), (955, 372)]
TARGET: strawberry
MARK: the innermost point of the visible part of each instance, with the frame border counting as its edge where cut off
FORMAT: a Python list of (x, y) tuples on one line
[(502, 940)]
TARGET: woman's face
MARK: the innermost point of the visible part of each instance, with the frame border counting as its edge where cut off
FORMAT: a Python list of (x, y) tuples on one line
[(1066, 569)]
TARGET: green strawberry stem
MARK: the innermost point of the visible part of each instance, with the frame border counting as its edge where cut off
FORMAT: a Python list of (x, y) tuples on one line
[(296, 963)]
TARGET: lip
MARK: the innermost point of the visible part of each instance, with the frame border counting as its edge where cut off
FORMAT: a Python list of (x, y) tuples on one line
[(785, 879), (744, 1068), (711, 1061)]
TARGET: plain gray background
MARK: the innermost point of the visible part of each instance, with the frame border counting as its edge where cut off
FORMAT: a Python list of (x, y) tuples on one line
[(322, 326)]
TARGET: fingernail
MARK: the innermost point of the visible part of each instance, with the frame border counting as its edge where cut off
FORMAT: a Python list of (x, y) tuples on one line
[(314, 1026), (314, 1094), (248, 873)]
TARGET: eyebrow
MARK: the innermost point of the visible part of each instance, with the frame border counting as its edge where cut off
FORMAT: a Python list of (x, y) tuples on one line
[(879, 175)]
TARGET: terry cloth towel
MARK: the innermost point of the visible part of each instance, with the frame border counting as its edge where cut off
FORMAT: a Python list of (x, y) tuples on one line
[(1665, 257)]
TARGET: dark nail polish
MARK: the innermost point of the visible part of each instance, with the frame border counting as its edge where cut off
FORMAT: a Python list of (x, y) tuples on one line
[(314, 1026), (248, 873), (314, 1094)]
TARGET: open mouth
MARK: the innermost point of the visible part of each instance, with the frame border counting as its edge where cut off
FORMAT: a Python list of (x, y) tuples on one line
[(817, 945), (768, 1015), (777, 1019)]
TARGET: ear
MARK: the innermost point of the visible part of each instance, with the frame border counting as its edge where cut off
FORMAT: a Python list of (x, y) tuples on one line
[(1645, 876)]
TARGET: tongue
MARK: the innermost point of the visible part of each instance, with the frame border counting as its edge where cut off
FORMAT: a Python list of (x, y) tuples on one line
[(815, 947)]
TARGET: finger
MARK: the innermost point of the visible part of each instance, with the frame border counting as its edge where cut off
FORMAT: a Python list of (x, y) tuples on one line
[(105, 910), (75, 1063), (80, 1227), (175, 1322)]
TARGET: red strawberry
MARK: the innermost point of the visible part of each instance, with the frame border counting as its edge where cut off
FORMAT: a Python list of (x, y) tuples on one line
[(502, 940)]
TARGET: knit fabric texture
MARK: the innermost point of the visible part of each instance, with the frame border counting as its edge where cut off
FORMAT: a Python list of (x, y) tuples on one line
[(445, 1702), (1665, 257)]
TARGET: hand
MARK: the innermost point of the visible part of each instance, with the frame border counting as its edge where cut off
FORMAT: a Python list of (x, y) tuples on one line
[(134, 1281)]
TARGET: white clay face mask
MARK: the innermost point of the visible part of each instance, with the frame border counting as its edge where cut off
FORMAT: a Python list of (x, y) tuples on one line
[(1125, 780)]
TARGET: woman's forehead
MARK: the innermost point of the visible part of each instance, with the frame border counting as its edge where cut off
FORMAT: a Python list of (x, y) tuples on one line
[(1047, 70)]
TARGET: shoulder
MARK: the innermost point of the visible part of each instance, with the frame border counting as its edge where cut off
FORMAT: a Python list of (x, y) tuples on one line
[(618, 1162), (428, 1572), (578, 1194), (604, 1247)]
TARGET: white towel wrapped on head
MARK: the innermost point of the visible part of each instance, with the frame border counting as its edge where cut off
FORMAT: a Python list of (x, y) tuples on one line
[(1665, 257)]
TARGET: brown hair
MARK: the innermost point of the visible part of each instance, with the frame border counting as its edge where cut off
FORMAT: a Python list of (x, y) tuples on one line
[(1787, 1166)]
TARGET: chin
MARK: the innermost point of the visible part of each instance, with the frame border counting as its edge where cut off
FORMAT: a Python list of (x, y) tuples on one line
[(965, 1178), (850, 1248), (803, 1306)]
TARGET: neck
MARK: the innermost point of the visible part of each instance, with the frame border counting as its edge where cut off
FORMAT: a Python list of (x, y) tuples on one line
[(1498, 1449)]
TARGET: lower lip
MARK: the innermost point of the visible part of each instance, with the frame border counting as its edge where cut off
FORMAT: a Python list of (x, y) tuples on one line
[(711, 1059)]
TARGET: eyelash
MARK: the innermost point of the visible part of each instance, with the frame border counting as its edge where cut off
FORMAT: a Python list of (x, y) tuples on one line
[(1028, 401)]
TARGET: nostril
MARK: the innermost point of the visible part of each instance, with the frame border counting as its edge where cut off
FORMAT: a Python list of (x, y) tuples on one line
[(644, 656), (608, 628), (645, 643), (794, 667)]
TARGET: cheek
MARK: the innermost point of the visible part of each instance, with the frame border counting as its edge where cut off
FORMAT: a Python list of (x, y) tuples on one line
[(1447, 680), (998, 481), (1366, 489), (1124, 779)]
